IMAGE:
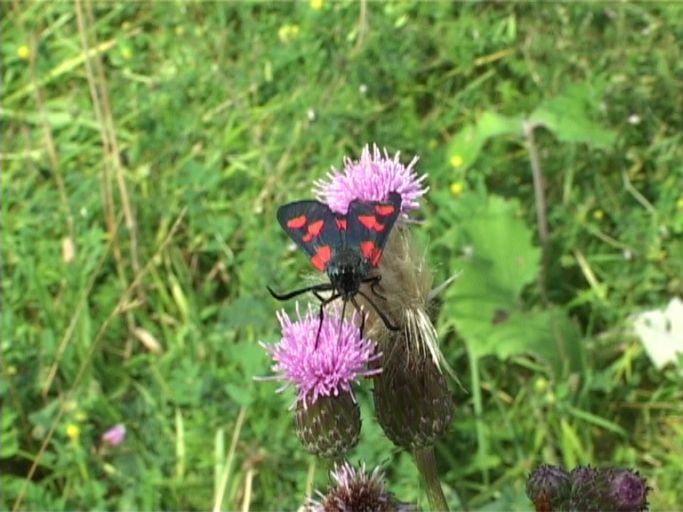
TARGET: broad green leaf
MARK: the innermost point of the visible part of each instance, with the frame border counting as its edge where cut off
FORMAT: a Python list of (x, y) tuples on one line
[(503, 241), (9, 445), (548, 334), (468, 142), (568, 117), (484, 305)]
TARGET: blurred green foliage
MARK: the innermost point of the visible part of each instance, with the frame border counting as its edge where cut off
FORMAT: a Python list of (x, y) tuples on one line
[(221, 112)]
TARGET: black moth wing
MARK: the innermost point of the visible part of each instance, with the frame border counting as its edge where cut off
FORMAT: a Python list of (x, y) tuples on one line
[(369, 224), (314, 228)]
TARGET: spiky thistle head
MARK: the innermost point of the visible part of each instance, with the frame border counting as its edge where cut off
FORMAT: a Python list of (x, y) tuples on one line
[(371, 178), (324, 365), (322, 368), (412, 400), (548, 488), (356, 489), (625, 491)]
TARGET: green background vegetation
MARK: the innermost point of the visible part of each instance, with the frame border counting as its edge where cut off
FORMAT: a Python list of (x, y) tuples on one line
[(139, 188)]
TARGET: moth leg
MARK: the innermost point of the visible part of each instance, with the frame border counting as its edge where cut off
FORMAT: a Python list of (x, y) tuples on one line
[(323, 303), (374, 282), (384, 318), (315, 288), (318, 296), (341, 320), (362, 315)]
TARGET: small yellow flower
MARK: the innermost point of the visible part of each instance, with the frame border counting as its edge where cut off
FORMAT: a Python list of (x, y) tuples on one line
[(288, 32), (73, 431), (11, 370), (179, 30), (540, 385), (316, 5), (598, 214), (23, 52), (679, 203), (456, 161), (457, 188)]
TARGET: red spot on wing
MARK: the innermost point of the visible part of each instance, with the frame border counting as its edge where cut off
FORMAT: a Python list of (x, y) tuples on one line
[(341, 224), (314, 229), (367, 248), (297, 222), (384, 209), (318, 263), (370, 222), (371, 252), (325, 252), (322, 256)]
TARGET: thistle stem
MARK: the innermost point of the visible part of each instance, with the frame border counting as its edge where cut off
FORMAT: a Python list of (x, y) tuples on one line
[(539, 194), (426, 464)]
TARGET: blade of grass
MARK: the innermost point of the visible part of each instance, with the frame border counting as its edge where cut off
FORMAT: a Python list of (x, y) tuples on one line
[(227, 467), (120, 306)]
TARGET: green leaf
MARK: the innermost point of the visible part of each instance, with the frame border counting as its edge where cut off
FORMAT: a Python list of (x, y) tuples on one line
[(568, 116), (468, 142), (549, 335), (502, 246), (9, 445), (484, 304)]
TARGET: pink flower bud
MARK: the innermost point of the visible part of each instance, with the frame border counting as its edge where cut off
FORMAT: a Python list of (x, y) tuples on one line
[(115, 435)]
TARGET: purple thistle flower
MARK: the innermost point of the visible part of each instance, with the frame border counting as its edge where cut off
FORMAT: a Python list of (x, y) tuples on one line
[(548, 487), (340, 358), (372, 178), (115, 435), (627, 490)]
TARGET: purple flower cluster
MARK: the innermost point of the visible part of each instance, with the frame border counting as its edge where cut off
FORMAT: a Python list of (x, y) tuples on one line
[(551, 488), (372, 178), (340, 357)]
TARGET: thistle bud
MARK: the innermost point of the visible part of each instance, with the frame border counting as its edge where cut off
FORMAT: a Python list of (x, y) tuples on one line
[(356, 489), (549, 488), (322, 367), (330, 426), (623, 490), (412, 400), (587, 489)]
